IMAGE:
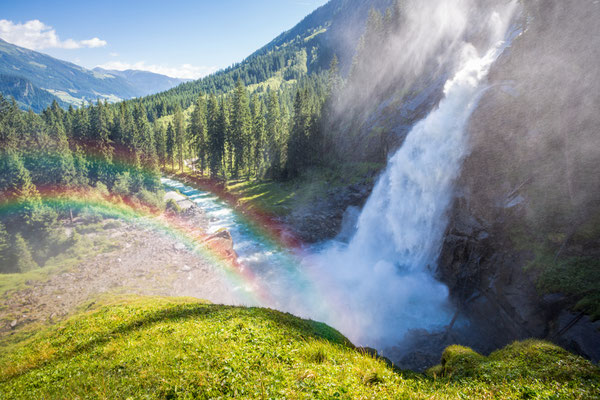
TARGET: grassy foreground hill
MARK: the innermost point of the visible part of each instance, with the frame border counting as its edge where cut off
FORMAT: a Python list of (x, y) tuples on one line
[(183, 348)]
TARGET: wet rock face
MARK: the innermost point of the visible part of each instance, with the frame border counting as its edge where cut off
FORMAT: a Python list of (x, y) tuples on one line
[(515, 176), (493, 291), (322, 220)]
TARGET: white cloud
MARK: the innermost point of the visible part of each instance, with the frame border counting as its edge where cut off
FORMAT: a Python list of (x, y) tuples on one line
[(114, 54), (36, 35), (94, 42), (185, 71)]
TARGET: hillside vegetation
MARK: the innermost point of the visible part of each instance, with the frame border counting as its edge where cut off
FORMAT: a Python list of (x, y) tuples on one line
[(183, 348)]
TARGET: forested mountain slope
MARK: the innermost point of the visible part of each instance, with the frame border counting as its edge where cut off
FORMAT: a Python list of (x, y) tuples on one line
[(309, 47)]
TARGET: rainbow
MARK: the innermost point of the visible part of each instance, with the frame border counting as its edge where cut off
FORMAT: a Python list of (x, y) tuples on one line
[(130, 209), (264, 226)]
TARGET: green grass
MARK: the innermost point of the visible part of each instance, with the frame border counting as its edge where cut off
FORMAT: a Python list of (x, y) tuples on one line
[(166, 348), (280, 198)]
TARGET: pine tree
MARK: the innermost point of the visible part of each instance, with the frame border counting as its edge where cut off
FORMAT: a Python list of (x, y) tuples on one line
[(224, 129), (179, 127), (15, 180), (241, 126), (60, 167), (215, 136), (22, 255), (160, 136), (5, 264), (100, 144), (146, 152), (10, 124), (274, 135), (81, 165), (170, 146), (259, 137), (198, 132), (81, 126)]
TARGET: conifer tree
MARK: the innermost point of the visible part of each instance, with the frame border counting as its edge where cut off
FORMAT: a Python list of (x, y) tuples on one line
[(146, 151), (241, 126), (160, 136), (10, 124), (81, 126), (81, 165), (170, 146), (179, 128), (100, 144), (298, 143), (22, 255), (15, 180), (60, 168), (223, 127), (259, 137), (215, 136), (5, 264), (273, 132), (198, 132)]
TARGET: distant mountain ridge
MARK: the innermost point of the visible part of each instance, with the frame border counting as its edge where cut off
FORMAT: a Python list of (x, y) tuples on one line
[(35, 80), (145, 82)]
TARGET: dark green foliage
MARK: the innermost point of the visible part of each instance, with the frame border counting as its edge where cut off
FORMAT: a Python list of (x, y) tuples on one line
[(170, 146), (22, 255), (198, 133), (215, 136), (101, 165), (160, 139), (259, 154), (4, 250), (241, 130), (180, 137)]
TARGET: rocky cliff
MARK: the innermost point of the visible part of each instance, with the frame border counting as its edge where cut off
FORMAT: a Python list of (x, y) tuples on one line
[(531, 182)]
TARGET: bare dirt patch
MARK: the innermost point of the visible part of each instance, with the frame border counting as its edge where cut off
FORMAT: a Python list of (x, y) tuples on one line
[(140, 261)]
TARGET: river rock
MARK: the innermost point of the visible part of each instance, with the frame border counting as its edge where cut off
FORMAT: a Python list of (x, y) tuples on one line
[(222, 243)]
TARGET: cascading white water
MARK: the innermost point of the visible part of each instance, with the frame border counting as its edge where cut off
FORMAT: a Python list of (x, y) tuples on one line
[(381, 285), (383, 277)]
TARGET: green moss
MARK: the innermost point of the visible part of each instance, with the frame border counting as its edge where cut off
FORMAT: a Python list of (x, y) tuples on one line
[(156, 348), (530, 360), (460, 361)]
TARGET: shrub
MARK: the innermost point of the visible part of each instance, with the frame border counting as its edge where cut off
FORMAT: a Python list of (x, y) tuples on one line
[(122, 185), (173, 206)]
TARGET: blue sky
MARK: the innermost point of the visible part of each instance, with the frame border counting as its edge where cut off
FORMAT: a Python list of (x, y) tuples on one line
[(182, 38)]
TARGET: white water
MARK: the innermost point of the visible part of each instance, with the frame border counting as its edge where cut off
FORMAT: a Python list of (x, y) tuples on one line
[(380, 285), (384, 276)]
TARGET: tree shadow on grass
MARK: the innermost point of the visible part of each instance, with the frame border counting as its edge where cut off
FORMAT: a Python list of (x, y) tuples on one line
[(306, 329)]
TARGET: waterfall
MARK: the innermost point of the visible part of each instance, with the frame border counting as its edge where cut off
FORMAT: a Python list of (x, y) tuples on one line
[(383, 279)]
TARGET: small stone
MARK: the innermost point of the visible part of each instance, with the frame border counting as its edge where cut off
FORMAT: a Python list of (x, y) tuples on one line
[(13, 323), (179, 246), (186, 268)]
